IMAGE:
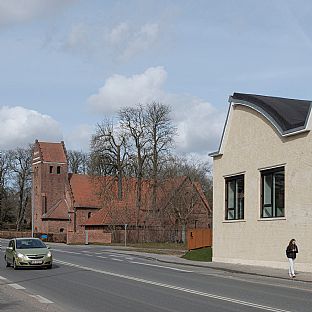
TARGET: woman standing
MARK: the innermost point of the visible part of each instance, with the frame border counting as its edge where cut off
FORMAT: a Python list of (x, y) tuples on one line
[(291, 253)]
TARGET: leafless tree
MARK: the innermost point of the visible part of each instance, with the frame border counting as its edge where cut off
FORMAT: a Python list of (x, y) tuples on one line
[(161, 133), (109, 152), (21, 174), (196, 170), (133, 123), (5, 163), (77, 161)]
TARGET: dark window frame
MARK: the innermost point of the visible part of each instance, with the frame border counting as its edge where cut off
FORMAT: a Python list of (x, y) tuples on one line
[(58, 169), (51, 169), (237, 212), (277, 210)]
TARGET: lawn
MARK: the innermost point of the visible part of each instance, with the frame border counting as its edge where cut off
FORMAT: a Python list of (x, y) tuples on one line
[(201, 254)]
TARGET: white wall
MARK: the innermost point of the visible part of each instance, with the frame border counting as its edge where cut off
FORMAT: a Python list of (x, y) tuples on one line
[(252, 144)]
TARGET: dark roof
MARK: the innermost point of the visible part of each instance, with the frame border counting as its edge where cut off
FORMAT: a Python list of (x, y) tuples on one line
[(288, 114)]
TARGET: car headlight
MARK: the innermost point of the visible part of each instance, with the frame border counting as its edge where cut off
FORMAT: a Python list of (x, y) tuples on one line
[(21, 256), (49, 254)]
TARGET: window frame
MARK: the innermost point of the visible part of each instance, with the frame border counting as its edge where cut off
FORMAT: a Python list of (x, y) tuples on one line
[(273, 198), (238, 214)]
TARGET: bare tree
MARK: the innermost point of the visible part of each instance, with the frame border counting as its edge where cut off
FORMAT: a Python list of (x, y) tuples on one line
[(133, 122), (195, 169), (5, 163), (187, 206), (161, 133), (21, 173), (77, 161), (109, 151)]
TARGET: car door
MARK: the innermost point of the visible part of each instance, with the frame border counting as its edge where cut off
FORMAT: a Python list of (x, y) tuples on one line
[(9, 251)]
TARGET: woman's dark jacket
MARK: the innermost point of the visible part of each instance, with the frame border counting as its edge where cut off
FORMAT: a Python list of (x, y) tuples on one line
[(291, 251)]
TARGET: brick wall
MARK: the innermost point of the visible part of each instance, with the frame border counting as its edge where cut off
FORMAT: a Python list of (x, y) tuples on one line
[(13, 234), (94, 236)]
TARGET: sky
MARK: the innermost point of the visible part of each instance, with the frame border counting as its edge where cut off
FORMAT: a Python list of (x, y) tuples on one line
[(67, 65)]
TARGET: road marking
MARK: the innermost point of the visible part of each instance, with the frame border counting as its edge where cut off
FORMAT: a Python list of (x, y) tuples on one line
[(41, 299), (117, 256), (16, 286), (161, 266), (117, 259), (70, 252), (102, 257), (129, 258), (2, 278), (186, 290)]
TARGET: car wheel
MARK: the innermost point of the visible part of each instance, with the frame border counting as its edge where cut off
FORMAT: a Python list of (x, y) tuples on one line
[(7, 263), (15, 267)]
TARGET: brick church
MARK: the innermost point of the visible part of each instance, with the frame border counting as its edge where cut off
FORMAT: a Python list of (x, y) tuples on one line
[(77, 208)]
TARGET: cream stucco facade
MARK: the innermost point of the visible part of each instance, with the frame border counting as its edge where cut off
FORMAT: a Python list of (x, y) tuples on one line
[(250, 144)]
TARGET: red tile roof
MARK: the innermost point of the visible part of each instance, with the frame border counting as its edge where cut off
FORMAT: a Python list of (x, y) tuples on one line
[(52, 152), (124, 212), (87, 191)]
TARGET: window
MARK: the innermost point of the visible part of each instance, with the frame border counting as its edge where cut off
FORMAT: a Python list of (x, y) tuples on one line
[(234, 198), (51, 169), (89, 215), (58, 169), (273, 193)]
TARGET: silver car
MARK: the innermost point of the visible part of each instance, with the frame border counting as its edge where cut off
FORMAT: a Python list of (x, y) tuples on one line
[(28, 252)]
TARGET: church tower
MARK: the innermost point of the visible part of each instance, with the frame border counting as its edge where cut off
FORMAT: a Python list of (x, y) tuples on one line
[(50, 180)]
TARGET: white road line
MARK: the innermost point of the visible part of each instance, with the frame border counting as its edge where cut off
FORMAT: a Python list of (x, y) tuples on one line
[(186, 290), (41, 299), (16, 286), (161, 266), (117, 256), (129, 258), (70, 252), (117, 259), (3, 278), (102, 257)]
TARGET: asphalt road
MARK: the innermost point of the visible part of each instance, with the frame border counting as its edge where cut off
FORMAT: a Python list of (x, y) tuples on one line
[(97, 278)]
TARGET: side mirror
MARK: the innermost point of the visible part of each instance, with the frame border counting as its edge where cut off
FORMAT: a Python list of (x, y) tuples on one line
[(48, 247)]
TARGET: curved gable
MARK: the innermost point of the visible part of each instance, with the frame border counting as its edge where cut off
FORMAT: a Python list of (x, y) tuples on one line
[(287, 116)]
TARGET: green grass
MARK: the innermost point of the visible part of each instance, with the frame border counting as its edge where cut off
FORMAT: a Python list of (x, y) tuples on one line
[(201, 254)]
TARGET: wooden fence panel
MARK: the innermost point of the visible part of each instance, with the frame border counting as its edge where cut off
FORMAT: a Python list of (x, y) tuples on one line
[(198, 238)]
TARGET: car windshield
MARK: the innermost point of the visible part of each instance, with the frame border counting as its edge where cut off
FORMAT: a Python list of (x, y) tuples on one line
[(29, 243)]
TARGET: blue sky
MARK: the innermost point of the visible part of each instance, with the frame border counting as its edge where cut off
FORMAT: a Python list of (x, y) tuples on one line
[(65, 65)]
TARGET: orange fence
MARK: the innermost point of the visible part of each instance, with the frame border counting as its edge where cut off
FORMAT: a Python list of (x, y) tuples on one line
[(198, 238)]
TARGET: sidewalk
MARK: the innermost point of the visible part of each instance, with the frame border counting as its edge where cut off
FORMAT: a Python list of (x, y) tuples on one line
[(228, 267)]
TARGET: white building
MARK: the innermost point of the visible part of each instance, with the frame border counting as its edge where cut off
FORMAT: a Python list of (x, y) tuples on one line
[(263, 182)]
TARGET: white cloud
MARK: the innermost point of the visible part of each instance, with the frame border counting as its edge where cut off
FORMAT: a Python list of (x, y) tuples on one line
[(121, 42), (118, 34), (119, 91), (199, 123), (20, 126), (78, 38), (17, 11), (79, 138), (141, 40)]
